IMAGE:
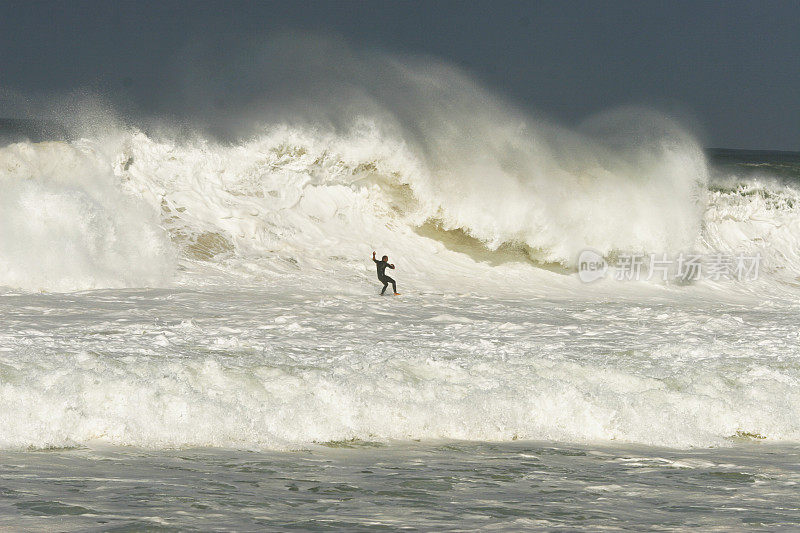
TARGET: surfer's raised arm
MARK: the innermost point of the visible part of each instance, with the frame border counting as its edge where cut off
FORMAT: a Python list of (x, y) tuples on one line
[(373, 258)]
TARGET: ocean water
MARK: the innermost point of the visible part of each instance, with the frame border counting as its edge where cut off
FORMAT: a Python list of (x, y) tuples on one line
[(192, 335), (361, 485), (219, 409)]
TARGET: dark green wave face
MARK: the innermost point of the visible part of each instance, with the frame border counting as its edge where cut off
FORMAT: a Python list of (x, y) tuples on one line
[(747, 163)]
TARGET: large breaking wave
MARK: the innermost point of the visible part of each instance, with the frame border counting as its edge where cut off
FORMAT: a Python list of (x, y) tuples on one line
[(350, 150), (123, 210)]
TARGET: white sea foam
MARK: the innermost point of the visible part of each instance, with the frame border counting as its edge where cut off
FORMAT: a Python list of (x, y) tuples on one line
[(467, 196), (758, 216), (66, 224), (279, 369)]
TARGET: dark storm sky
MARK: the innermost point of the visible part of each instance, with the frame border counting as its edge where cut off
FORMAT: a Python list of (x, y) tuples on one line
[(732, 66)]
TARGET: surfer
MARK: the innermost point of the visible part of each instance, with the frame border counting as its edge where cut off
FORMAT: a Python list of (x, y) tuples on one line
[(382, 277)]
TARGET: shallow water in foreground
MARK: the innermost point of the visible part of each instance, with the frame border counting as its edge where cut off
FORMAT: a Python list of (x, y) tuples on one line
[(443, 486)]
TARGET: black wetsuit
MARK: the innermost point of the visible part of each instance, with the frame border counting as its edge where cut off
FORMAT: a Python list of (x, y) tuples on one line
[(382, 277)]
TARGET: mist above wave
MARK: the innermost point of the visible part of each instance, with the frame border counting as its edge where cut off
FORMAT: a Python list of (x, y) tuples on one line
[(346, 150)]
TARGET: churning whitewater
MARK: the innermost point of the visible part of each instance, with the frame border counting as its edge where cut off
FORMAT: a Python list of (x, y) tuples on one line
[(164, 291)]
